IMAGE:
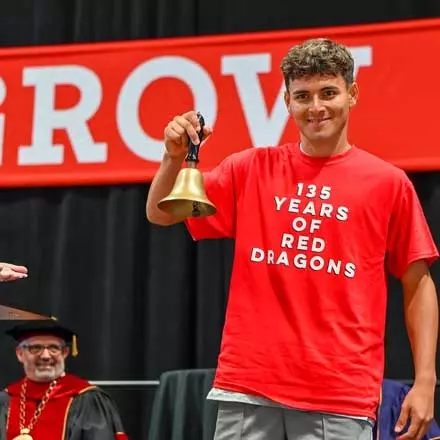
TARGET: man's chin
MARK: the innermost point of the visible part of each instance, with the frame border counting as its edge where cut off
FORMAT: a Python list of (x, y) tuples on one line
[(321, 138), (45, 376), (321, 135)]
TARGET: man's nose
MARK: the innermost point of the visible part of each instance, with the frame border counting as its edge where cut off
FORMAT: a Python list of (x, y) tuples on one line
[(45, 354), (316, 104)]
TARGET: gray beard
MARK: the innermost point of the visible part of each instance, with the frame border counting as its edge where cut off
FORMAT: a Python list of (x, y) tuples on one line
[(48, 375)]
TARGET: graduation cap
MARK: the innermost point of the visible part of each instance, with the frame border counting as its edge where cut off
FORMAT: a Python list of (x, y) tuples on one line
[(35, 325)]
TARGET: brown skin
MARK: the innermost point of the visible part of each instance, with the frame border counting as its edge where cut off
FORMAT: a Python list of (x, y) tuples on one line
[(421, 314), (320, 106)]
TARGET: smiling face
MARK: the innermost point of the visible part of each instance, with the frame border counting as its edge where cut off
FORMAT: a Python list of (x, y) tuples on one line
[(320, 105), (320, 90), (43, 357)]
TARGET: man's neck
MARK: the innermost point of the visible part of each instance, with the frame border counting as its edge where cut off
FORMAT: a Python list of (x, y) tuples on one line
[(326, 149)]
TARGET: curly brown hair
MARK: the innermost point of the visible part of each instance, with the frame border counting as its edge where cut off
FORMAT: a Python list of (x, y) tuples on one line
[(318, 56)]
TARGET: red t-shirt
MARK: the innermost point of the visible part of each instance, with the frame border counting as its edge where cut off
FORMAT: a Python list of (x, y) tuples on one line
[(307, 305)]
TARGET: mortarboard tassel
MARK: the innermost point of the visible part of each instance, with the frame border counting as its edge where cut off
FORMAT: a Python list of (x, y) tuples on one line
[(74, 346)]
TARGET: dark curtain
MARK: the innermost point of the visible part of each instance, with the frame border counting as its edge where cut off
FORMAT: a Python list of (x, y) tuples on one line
[(30, 22), (145, 299)]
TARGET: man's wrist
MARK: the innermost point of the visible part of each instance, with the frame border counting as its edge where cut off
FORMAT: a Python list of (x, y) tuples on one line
[(177, 159), (426, 379)]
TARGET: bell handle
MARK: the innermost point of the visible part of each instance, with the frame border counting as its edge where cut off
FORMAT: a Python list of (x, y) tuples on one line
[(192, 158)]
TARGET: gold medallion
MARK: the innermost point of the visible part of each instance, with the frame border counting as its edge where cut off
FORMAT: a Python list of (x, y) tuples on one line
[(24, 435)]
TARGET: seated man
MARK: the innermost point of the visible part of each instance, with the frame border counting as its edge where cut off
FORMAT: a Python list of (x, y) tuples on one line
[(47, 403)]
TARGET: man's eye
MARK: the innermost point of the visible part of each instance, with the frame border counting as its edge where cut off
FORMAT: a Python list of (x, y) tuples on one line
[(36, 348)]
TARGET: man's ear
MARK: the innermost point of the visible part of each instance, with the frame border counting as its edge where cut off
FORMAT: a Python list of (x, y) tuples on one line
[(287, 99), (354, 94), (19, 354)]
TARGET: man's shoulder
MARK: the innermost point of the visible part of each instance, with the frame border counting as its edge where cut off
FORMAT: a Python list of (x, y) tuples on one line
[(378, 164), (14, 387), (255, 154), (241, 156), (78, 384), (93, 395)]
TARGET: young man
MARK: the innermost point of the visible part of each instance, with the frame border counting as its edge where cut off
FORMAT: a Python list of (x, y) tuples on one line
[(315, 224), (49, 403)]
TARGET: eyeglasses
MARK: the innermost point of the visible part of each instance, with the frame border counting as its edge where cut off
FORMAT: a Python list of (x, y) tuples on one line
[(37, 349)]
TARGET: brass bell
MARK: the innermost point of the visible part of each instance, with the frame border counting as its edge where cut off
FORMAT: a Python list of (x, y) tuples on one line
[(188, 196)]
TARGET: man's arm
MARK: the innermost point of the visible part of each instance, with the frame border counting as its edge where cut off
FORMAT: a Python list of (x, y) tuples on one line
[(421, 316), (177, 135), (161, 186)]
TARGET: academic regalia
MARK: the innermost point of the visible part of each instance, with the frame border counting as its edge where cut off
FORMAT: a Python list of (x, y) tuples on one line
[(393, 394), (75, 410)]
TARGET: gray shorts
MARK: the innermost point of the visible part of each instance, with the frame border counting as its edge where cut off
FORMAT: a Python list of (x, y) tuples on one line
[(242, 421)]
